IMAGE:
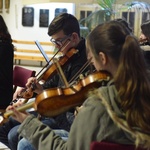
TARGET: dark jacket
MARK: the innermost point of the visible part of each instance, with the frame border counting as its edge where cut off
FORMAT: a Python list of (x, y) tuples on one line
[(6, 70), (146, 51)]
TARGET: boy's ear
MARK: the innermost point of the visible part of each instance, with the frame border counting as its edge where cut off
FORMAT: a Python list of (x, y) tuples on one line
[(74, 35), (103, 58)]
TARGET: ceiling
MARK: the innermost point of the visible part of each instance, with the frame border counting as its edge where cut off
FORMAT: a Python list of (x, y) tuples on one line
[(29, 2)]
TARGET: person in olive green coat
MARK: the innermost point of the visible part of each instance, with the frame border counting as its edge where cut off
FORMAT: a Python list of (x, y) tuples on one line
[(117, 112)]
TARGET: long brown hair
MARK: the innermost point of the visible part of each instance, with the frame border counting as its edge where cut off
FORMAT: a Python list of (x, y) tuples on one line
[(133, 83), (132, 79)]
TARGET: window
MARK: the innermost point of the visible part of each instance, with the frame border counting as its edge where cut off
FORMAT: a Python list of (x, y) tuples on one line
[(60, 10)]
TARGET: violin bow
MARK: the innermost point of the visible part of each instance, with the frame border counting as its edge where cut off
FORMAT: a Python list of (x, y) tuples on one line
[(49, 63), (61, 73), (81, 70), (41, 72)]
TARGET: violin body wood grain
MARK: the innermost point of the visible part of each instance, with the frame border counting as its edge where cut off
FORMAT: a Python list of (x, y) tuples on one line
[(52, 102)]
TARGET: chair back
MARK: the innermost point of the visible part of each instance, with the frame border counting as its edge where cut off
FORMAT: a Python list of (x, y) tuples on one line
[(111, 146), (21, 75)]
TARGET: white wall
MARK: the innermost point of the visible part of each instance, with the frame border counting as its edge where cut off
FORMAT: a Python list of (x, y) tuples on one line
[(13, 20)]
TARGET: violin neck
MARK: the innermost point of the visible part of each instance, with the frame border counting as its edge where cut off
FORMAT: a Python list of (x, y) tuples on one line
[(21, 108)]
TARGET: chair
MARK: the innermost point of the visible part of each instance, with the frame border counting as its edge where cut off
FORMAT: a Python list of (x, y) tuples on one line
[(111, 146), (21, 75)]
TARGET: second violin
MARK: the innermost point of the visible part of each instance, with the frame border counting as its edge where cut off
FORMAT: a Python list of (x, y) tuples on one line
[(52, 102)]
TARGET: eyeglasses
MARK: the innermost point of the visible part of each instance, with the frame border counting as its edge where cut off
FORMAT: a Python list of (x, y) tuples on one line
[(60, 41)]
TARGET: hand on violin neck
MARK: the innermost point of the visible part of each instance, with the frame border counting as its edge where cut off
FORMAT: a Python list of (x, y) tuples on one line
[(31, 81), (15, 103), (19, 116), (34, 85)]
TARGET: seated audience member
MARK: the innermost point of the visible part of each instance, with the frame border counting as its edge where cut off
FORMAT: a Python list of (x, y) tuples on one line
[(125, 24), (111, 112), (145, 40)]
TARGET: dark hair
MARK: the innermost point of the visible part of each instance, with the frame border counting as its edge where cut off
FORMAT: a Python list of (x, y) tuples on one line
[(131, 79), (4, 33), (125, 24), (66, 22), (3, 27), (145, 27)]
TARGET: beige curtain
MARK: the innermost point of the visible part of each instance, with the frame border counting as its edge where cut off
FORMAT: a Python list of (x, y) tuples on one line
[(1, 6), (7, 4)]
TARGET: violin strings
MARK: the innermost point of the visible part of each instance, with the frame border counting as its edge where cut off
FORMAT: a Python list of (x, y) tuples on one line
[(80, 71), (47, 63)]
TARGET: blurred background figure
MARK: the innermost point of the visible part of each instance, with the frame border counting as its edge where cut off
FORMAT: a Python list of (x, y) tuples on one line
[(145, 33), (6, 65), (144, 40)]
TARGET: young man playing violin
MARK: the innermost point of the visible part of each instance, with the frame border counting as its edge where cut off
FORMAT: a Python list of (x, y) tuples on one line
[(65, 34)]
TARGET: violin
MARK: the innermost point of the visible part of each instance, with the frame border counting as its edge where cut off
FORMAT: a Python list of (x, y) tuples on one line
[(50, 72), (52, 102), (63, 60)]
